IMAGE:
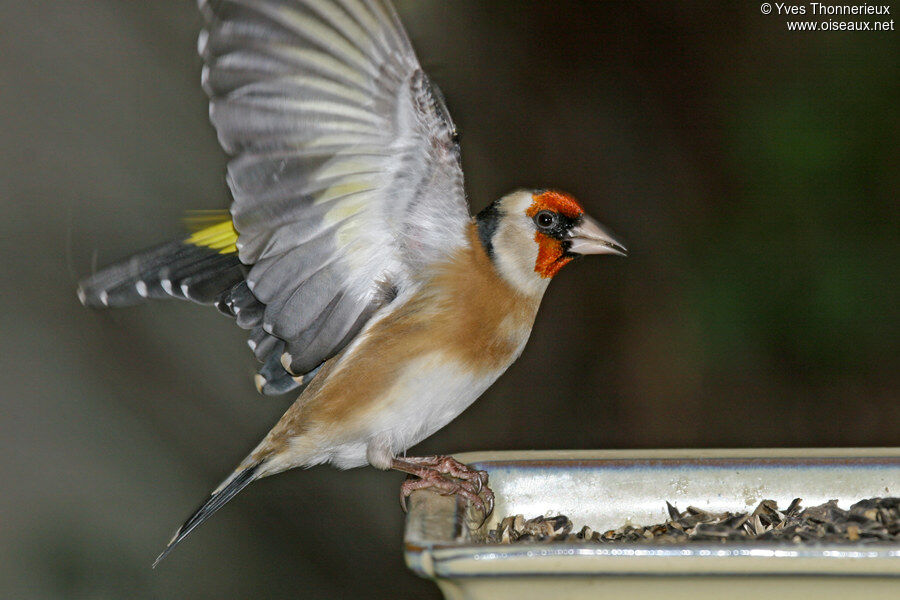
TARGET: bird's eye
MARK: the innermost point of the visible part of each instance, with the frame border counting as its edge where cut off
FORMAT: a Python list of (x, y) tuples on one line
[(545, 219)]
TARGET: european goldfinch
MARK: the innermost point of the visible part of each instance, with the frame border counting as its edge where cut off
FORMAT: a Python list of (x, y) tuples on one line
[(349, 253)]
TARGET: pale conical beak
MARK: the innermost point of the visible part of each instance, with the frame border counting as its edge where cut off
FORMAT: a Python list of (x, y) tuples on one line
[(590, 237)]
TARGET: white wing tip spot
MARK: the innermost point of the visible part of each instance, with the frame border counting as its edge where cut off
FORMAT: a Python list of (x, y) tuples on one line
[(286, 361), (141, 288), (82, 297), (104, 298), (259, 381), (167, 286), (184, 290), (202, 38), (252, 344)]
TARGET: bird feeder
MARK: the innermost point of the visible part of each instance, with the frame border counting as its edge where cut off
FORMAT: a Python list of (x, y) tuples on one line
[(611, 491)]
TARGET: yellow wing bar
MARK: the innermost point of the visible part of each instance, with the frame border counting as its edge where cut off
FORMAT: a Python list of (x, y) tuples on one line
[(213, 230)]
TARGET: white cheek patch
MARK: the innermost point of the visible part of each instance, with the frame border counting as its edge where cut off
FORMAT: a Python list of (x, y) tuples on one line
[(516, 251)]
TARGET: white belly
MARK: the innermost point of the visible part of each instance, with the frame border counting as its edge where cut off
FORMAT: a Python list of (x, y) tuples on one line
[(433, 391)]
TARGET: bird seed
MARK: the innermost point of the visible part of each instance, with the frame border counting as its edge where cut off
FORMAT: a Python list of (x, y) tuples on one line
[(868, 521)]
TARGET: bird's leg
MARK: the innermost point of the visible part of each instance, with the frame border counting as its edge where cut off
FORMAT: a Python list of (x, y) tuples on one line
[(447, 476)]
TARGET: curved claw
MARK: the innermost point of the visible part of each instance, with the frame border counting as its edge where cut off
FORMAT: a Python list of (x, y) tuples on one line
[(489, 500), (446, 476)]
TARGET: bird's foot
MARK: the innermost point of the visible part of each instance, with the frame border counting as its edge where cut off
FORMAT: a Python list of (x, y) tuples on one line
[(447, 465), (448, 477)]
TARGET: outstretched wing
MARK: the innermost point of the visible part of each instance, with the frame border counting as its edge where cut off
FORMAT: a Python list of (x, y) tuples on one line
[(345, 177)]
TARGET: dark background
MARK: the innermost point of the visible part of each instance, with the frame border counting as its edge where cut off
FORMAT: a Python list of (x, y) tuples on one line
[(752, 172)]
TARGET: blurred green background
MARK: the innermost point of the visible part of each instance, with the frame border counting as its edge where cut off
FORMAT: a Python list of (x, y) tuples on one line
[(752, 172)]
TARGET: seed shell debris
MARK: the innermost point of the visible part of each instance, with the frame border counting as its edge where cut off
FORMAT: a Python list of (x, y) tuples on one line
[(868, 521)]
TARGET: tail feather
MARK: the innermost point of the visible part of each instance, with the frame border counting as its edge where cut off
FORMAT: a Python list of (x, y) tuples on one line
[(217, 500)]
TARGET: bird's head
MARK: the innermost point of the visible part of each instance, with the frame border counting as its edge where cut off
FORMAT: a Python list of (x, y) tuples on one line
[(531, 234)]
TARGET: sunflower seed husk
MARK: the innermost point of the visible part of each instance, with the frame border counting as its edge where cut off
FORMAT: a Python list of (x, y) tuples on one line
[(873, 520)]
